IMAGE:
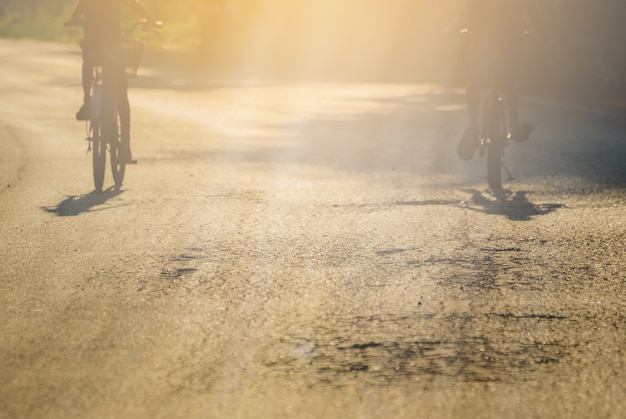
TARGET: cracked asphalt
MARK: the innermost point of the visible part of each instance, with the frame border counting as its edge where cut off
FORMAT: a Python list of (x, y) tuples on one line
[(304, 249)]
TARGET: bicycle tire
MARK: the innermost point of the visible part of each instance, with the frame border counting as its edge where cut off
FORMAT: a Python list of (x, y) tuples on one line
[(110, 134), (496, 125), (99, 158), (98, 145), (118, 167)]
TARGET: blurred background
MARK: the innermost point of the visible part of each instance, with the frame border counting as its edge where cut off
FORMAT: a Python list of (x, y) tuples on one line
[(577, 54)]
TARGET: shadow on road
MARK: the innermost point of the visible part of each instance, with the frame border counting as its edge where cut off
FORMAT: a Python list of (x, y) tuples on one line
[(76, 205), (515, 207)]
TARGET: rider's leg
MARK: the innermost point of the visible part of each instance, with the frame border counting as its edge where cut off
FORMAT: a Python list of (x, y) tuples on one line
[(510, 87), (87, 80), (512, 101), (124, 113), (123, 109), (519, 131)]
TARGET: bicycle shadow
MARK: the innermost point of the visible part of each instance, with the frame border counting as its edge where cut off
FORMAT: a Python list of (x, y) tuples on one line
[(75, 205), (515, 207)]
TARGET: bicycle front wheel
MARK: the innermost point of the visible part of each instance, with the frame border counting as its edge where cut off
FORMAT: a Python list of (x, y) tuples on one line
[(110, 130), (496, 127), (118, 167), (99, 157)]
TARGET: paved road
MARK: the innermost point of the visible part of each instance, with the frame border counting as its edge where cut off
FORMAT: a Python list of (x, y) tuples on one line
[(304, 250)]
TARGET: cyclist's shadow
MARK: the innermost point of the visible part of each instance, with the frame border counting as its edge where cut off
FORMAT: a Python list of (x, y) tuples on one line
[(76, 205), (516, 206)]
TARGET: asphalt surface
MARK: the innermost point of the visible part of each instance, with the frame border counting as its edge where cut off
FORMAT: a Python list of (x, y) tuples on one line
[(306, 250)]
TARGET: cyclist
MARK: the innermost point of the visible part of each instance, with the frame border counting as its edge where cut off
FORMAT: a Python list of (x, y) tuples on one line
[(102, 25), (496, 27)]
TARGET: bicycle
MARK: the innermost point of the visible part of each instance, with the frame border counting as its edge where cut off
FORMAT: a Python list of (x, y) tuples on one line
[(103, 126), (494, 127)]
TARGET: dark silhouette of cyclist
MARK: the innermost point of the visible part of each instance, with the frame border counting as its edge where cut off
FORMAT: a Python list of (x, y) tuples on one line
[(496, 28), (102, 26)]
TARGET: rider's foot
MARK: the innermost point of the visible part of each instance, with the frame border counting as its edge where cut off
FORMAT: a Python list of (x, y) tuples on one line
[(468, 143), (84, 113), (521, 133)]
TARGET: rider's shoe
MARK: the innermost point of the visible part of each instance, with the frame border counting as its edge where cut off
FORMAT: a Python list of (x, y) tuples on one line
[(521, 133), (468, 144), (84, 113)]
